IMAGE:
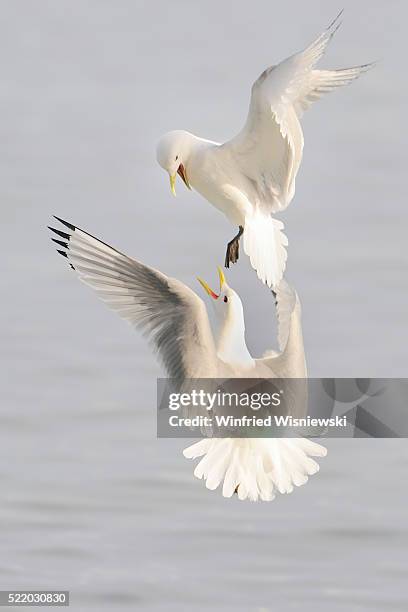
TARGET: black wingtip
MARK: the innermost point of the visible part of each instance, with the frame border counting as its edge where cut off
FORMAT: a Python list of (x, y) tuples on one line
[(69, 225), (60, 233), (61, 243)]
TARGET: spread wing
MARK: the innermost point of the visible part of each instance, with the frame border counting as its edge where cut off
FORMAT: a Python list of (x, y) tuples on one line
[(172, 316), (269, 148), (286, 303), (290, 360)]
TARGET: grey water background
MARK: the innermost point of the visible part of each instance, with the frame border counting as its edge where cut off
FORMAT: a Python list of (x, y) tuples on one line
[(90, 500)]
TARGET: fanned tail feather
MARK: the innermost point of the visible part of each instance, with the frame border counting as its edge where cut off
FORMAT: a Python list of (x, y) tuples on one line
[(255, 468), (264, 243)]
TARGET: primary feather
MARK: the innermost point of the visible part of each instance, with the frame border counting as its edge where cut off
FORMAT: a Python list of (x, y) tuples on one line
[(170, 314)]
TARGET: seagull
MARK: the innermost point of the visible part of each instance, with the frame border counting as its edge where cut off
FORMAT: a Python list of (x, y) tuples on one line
[(176, 322), (252, 176)]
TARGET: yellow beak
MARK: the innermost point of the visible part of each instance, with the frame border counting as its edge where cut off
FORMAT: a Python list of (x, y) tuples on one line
[(208, 289), (221, 277), (173, 183)]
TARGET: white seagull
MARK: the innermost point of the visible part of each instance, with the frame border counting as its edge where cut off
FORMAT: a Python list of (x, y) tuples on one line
[(175, 320), (253, 176)]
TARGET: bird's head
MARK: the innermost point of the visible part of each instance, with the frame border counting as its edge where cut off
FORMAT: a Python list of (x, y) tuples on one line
[(172, 153), (230, 324), (227, 303)]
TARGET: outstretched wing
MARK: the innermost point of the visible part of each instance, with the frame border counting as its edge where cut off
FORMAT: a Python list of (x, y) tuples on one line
[(289, 362), (172, 316), (287, 302), (269, 148), (320, 82)]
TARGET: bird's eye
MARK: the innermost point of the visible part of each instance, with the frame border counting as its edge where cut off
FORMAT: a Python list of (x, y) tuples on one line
[(176, 157), (225, 299)]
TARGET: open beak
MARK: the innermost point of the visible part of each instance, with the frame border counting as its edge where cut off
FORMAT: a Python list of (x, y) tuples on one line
[(181, 171), (208, 289)]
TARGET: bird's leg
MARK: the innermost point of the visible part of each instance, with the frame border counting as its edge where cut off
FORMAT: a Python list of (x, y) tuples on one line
[(232, 253)]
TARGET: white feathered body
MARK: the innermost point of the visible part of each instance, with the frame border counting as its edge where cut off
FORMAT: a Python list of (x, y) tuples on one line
[(210, 173), (257, 468), (176, 321), (253, 176)]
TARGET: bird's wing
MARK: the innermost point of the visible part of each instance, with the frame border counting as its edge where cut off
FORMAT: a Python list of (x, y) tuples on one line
[(268, 150), (172, 316), (287, 303), (320, 82)]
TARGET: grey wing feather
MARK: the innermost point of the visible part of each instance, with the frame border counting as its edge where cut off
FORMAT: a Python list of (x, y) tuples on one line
[(290, 360), (170, 314), (286, 302)]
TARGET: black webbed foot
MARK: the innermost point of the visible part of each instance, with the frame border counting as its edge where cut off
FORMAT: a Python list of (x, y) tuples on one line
[(232, 254)]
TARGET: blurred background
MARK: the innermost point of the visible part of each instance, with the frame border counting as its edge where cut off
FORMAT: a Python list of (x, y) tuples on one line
[(90, 500)]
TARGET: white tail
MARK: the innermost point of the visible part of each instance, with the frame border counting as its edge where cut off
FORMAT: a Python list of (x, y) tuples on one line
[(264, 243), (255, 467)]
